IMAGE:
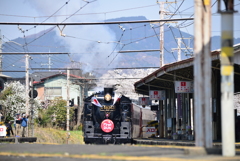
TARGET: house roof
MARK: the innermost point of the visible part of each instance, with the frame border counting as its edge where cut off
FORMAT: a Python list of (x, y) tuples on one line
[(65, 74), (37, 76), (55, 75)]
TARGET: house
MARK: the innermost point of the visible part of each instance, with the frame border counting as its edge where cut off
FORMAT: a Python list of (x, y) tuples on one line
[(56, 86)]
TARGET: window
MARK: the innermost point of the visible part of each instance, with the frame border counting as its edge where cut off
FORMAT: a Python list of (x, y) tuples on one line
[(53, 91)]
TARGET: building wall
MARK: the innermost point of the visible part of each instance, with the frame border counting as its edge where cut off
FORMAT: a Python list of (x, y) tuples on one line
[(40, 91), (59, 82)]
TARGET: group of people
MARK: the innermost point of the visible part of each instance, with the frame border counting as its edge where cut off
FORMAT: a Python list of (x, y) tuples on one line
[(20, 125)]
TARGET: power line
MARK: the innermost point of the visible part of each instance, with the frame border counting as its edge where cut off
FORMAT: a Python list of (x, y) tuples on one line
[(92, 23), (32, 53), (164, 47), (52, 14), (61, 23)]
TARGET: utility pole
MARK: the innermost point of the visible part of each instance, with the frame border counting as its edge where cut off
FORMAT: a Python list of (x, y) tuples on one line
[(202, 69), (161, 12), (82, 85), (227, 79), (68, 133), (179, 48), (27, 84), (0, 51), (49, 63), (32, 102)]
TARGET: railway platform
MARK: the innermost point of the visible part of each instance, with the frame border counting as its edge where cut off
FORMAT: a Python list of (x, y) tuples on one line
[(163, 141), (187, 145), (18, 139)]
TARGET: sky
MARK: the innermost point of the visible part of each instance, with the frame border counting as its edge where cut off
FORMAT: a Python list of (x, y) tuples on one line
[(38, 10), (95, 11)]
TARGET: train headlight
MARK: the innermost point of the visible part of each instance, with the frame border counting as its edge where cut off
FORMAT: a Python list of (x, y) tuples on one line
[(108, 97)]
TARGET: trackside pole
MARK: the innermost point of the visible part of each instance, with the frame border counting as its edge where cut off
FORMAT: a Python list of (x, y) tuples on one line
[(68, 133), (227, 80), (202, 74)]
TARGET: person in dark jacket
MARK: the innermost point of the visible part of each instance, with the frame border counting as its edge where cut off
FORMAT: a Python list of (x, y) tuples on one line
[(9, 128)]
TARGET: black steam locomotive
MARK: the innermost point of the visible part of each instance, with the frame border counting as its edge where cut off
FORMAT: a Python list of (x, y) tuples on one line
[(107, 118)]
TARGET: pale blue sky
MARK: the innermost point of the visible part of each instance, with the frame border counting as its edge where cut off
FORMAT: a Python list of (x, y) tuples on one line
[(32, 10)]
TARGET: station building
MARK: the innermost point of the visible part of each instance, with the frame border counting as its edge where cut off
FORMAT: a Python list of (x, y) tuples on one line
[(176, 111)]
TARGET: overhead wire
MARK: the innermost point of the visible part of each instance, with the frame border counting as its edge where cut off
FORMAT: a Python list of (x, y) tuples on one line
[(164, 47), (49, 16), (97, 41), (61, 22), (108, 57), (87, 2), (182, 35)]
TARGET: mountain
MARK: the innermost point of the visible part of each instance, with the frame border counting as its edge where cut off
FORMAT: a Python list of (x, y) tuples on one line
[(136, 36)]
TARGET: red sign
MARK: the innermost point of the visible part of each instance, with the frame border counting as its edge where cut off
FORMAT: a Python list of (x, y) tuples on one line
[(183, 83), (107, 125), (143, 100), (151, 130), (183, 87), (2, 130), (157, 95)]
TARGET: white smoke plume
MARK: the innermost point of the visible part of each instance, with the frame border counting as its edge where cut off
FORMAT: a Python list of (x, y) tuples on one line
[(88, 44)]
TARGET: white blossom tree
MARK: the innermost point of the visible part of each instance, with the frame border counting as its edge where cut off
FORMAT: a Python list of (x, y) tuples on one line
[(13, 99)]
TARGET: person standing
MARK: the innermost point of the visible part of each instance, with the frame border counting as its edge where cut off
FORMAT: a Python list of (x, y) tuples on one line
[(24, 124), (17, 125), (9, 128)]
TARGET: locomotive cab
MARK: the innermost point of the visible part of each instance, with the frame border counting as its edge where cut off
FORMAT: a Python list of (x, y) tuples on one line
[(107, 118)]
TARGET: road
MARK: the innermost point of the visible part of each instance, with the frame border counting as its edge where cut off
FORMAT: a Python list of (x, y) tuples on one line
[(50, 152)]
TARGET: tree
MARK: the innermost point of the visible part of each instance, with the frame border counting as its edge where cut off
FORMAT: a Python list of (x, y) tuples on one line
[(12, 99), (55, 114)]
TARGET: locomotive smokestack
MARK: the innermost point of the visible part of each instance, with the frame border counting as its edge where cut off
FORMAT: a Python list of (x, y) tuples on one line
[(108, 90)]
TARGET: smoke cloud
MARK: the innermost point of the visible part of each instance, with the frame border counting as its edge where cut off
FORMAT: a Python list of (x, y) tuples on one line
[(88, 44)]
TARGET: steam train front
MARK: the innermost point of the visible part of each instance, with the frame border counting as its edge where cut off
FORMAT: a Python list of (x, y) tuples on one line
[(107, 118)]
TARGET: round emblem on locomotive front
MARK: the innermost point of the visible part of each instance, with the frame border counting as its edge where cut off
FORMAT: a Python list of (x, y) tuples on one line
[(107, 125)]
